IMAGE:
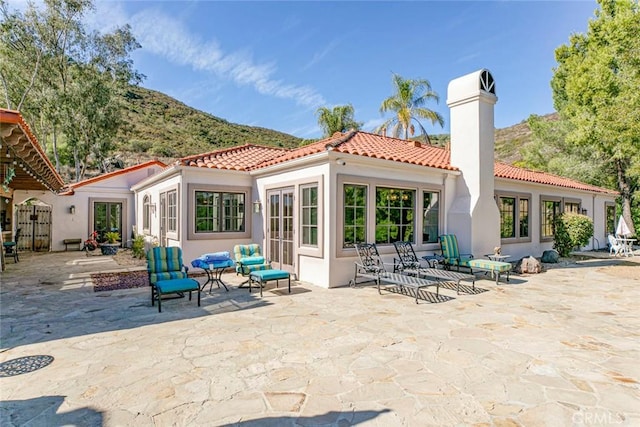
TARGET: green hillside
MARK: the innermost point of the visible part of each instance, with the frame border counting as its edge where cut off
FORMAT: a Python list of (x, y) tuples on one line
[(509, 141), (159, 126)]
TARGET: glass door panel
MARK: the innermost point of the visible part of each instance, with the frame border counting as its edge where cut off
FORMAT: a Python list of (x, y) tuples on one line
[(280, 233), (107, 216)]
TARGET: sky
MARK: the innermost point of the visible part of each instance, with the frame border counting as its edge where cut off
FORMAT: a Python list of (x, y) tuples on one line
[(273, 63)]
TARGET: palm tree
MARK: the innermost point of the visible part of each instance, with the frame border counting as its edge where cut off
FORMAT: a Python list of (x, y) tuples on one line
[(338, 119), (408, 105)]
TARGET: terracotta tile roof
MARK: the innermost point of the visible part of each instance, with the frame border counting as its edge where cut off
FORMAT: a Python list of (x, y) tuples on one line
[(372, 145), (503, 170), (241, 158), (69, 190), (252, 157)]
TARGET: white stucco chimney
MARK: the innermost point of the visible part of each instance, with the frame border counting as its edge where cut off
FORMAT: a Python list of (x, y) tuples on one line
[(473, 215)]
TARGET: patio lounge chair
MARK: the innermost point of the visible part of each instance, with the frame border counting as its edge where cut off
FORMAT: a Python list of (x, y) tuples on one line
[(615, 247), (407, 259), (408, 263), (248, 259), (371, 267), (168, 275), (451, 254)]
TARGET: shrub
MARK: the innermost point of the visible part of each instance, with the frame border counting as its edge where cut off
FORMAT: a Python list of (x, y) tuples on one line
[(137, 246), (571, 231), (112, 236)]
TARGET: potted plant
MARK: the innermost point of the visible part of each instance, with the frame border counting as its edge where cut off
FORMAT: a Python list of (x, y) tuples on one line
[(110, 247)]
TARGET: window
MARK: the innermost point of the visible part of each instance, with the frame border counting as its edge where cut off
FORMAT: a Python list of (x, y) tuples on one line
[(572, 207), (309, 220), (507, 207), (523, 216), (550, 211), (514, 215), (172, 211), (610, 218), (394, 215), (219, 212), (431, 217), (146, 213), (355, 214), (107, 217)]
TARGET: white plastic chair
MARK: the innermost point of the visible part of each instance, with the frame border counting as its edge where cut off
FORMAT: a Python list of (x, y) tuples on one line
[(615, 248)]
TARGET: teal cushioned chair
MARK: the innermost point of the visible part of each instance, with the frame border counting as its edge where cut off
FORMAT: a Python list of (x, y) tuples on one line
[(165, 264), (451, 253), (249, 258)]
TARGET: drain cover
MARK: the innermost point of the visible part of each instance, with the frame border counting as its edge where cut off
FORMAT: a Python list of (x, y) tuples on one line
[(23, 365)]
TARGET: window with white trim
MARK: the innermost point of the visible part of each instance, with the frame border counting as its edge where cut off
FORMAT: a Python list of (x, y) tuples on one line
[(309, 215), (172, 211), (146, 213)]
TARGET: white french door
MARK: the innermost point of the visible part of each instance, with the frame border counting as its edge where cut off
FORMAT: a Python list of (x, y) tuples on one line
[(280, 231)]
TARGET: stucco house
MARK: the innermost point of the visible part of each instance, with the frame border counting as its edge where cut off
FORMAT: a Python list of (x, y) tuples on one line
[(307, 206), (103, 203)]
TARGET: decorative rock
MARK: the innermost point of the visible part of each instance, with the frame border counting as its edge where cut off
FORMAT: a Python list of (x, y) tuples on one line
[(529, 265), (550, 256)]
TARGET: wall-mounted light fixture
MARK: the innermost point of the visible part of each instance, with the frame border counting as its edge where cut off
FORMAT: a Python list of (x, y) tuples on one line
[(583, 211), (152, 208), (257, 206), (72, 209)]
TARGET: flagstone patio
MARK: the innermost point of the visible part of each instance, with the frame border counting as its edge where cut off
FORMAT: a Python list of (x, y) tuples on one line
[(558, 348)]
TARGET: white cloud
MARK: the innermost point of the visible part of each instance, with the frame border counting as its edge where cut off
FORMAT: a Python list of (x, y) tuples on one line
[(164, 36), (318, 56), (371, 124), (306, 131)]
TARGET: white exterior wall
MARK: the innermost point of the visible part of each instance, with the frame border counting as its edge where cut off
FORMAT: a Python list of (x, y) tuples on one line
[(473, 215), (310, 264), (226, 179), (594, 204), (180, 179), (374, 172), (70, 226)]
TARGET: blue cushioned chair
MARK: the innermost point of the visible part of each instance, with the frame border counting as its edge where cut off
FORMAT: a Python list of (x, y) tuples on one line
[(168, 275), (248, 259), (451, 254)]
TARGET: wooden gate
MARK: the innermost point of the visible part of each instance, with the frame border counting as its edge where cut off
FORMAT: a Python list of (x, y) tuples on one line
[(35, 223)]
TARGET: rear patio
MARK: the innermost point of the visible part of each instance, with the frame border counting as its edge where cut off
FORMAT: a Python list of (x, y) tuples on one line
[(558, 348)]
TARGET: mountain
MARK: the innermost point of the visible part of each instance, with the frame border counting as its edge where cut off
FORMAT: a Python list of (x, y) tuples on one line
[(509, 141), (162, 127), (158, 126)]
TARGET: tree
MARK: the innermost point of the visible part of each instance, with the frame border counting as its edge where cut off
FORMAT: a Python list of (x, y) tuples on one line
[(338, 119), (408, 105), (595, 88), (549, 151), (67, 83)]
